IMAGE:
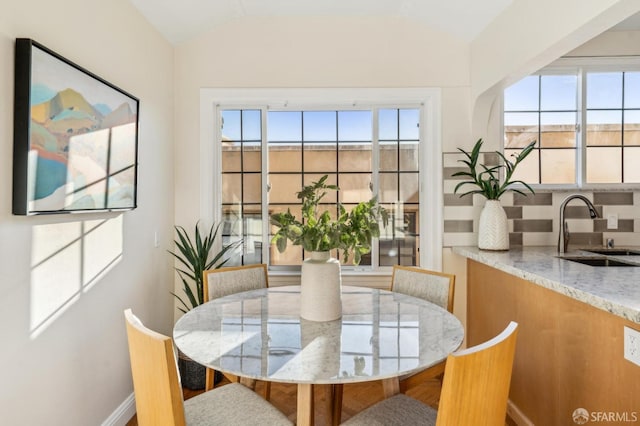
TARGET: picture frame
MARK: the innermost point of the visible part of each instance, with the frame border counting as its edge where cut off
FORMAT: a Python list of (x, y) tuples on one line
[(75, 146)]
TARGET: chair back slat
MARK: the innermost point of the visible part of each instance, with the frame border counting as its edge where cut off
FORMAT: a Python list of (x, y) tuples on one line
[(475, 389), (155, 376), (234, 279), (432, 286)]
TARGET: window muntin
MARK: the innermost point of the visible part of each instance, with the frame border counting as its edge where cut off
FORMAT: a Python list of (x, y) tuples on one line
[(612, 110), (540, 107), (303, 145), (543, 108), (399, 138), (241, 147)]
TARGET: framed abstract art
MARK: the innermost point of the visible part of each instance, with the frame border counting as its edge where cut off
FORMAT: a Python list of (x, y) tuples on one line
[(75, 137)]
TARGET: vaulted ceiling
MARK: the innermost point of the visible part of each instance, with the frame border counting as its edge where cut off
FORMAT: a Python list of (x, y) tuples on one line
[(181, 20)]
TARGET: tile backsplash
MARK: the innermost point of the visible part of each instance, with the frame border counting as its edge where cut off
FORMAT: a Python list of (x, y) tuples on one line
[(534, 219)]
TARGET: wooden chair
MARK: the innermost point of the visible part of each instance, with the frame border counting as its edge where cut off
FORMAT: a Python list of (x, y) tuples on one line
[(434, 287), (234, 279), (230, 280), (158, 393), (475, 390)]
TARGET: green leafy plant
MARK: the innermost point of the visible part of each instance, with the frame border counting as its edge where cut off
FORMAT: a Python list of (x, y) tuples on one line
[(351, 232), (194, 253), (487, 179)]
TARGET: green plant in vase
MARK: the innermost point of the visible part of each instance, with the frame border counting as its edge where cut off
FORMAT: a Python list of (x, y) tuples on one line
[(352, 231), (487, 178), (195, 255), (493, 232), (317, 232)]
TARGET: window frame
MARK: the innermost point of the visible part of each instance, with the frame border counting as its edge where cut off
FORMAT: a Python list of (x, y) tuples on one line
[(428, 99), (581, 66)]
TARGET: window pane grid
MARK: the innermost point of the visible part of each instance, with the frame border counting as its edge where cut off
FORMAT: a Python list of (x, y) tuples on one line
[(242, 183), (301, 147), (542, 108), (612, 106), (332, 143), (611, 130), (399, 186)]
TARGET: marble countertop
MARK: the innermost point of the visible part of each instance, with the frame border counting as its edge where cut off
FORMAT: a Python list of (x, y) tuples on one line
[(612, 289)]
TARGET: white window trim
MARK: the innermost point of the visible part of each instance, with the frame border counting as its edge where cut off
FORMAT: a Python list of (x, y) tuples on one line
[(431, 208)]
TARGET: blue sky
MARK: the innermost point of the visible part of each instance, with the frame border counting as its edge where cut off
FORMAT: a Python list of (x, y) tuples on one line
[(352, 125), (558, 96)]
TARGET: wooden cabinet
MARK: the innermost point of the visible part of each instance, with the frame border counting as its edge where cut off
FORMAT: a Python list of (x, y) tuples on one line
[(569, 354)]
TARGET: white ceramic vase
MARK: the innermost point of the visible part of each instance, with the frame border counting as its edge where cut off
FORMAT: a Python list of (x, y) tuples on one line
[(320, 288), (493, 228)]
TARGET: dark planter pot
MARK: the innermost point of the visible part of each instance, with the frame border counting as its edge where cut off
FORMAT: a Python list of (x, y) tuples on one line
[(192, 374)]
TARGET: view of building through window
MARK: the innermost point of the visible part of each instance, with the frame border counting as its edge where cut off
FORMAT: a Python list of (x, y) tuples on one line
[(268, 155), (550, 109)]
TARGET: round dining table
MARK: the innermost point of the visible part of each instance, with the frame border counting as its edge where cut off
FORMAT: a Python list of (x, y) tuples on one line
[(259, 335)]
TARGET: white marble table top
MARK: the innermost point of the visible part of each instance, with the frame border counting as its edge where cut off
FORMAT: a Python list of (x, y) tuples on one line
[(259, 335)]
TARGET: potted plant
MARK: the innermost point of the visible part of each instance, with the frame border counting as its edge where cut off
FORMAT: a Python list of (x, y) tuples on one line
[(493, 232), (195, 255), (318, 233)]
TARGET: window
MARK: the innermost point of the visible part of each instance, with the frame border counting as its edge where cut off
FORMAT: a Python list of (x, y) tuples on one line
[(268, 150), (613, 118), (586, 121), (543, 108)]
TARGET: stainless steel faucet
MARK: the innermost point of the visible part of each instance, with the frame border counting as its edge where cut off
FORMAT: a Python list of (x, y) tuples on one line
[(563, 236)]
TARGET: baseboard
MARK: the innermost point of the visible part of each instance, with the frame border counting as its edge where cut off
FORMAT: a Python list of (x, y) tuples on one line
[(517, 416), (123, 413)]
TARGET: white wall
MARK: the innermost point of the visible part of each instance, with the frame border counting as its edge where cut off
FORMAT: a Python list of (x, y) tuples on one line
[(610, 43), (64, 355)]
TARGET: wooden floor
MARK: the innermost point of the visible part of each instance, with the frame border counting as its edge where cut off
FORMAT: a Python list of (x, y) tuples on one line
[(356, 398)]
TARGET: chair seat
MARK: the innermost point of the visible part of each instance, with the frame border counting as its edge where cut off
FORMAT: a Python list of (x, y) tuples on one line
[(398, 410), (475, 390), (233, 404)]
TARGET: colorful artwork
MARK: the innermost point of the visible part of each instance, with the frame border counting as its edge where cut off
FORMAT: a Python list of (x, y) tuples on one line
[(75, 143)]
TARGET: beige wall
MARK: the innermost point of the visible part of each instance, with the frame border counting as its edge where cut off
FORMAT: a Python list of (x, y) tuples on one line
[(610, 43), (65, 280)]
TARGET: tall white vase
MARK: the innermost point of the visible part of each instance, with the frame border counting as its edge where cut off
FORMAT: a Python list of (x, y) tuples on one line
[(493, 228), (320, 288)]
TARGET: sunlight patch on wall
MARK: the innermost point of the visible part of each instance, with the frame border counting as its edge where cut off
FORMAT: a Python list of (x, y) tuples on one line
[(67, 260)]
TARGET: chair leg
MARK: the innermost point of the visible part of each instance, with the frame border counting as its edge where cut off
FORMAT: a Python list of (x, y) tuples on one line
[(435, 371), (333, 406), (337, 392), (267, 391), (209, 382), (232, 378)]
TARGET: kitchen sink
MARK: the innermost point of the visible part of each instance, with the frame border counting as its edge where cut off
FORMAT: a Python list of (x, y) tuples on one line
[(597, 261), (614, 252)]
